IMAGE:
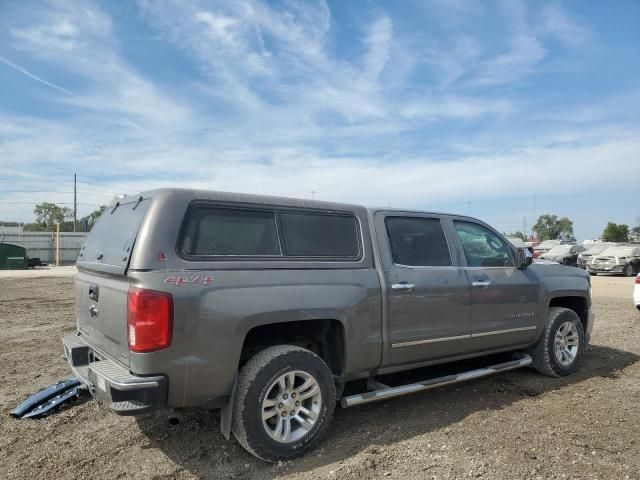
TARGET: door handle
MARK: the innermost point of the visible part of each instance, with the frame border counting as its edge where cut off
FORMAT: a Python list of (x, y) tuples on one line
[(402, 286), (481, 283)]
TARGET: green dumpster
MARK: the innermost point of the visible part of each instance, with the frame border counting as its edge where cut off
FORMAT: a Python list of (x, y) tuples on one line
[(13, 257)]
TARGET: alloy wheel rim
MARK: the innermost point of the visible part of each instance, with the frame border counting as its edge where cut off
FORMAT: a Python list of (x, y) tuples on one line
[(292, 406), (566, 344)]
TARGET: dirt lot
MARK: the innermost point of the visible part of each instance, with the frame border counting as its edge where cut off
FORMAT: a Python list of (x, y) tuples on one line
[(516, 425)]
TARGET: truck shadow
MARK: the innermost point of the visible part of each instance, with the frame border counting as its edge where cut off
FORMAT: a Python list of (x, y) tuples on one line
[(197, 447)]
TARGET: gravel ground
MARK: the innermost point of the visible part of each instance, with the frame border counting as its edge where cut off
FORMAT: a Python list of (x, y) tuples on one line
[(515, 425)]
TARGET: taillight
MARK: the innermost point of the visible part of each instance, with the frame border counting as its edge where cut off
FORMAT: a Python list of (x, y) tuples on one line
[(149, 320), (638, 280)]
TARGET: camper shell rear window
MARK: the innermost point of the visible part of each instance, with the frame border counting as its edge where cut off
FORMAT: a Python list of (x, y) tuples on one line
[(110, 243), (214, 232)]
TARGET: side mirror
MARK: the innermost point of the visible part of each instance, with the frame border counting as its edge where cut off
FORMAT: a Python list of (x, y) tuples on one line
[(525, 258)]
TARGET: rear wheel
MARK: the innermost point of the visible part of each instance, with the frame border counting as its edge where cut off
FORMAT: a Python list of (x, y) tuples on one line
[(560, 349), (284, 403), (628, 271)]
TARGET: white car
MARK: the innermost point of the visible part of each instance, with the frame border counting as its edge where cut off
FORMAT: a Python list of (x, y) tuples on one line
[(636, 293)]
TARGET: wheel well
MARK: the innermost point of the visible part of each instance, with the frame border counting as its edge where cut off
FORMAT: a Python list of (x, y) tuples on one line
[(577, 304), (324, 337)]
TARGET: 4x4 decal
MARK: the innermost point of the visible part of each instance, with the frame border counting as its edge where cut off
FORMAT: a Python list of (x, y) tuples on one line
[(202, 279)]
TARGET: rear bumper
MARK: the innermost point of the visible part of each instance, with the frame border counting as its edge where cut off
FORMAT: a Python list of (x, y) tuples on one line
[(122, 392)]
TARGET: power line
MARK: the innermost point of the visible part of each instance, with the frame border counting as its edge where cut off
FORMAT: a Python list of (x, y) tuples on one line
[(33, 191), (92, 192), (57, 203)]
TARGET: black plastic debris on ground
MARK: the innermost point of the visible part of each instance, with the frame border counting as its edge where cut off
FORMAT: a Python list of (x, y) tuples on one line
[(49, 399)]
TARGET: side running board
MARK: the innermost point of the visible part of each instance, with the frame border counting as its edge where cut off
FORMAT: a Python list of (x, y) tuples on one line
[(383, 392)]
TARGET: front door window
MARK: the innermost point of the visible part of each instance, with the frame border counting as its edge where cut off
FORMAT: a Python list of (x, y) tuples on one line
[(482, 247)]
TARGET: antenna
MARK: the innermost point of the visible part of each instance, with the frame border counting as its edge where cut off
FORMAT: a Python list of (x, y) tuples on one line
[(75, 203)]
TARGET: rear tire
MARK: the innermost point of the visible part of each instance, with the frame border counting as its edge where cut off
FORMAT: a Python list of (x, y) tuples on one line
[(628, 271), (284, 403), (560, 349)]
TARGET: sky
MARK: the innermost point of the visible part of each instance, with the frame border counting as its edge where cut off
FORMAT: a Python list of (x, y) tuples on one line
[(460, 106)]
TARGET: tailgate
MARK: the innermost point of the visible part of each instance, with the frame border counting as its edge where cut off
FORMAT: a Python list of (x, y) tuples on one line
[(102, 283), (101, 313)]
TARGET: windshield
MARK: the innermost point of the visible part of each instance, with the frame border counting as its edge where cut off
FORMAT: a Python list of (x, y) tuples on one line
[(618, 251), (597, 248), (560, 249)]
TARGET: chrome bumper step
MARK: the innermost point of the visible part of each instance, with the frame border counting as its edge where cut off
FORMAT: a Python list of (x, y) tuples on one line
[(385, 393)]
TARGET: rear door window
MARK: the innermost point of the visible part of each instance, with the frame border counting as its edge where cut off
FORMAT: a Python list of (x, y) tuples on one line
[(319, 235), (230, 232), (418, 242)]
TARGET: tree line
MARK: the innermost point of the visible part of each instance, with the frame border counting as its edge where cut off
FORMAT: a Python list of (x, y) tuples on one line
[(49, 214), (550, 227)]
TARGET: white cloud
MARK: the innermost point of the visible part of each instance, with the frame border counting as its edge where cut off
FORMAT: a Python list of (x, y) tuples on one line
[(79, 38), (220, 27), (378, 43), (524, 50), (559, 23), (456, 107)]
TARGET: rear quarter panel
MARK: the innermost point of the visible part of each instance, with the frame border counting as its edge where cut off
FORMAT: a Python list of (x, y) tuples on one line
[(212, 321)]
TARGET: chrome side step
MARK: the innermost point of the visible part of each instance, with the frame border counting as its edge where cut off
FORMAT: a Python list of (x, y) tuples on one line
[(392, 392)]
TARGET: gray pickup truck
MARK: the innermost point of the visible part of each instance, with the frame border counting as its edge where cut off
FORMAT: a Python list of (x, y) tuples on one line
[(267, 307)]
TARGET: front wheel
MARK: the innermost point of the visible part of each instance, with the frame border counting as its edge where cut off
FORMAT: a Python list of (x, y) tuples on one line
[(284, 402), (628, 271), (560, 349)]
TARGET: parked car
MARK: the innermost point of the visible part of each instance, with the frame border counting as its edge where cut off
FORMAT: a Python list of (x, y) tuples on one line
[(585, 258), (547, 245), (564, 254), (540, 261), (621, 259), (266, 307), (636, 293), (517, 242)]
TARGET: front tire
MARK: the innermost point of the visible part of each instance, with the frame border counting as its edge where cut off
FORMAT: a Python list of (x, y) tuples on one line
[(284, 403), (562, 345)]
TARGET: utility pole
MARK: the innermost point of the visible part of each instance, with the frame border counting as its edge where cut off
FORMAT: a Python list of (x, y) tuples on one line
[(524, 225), (469, 208), (313, 194), (75, 203), (534, 216)]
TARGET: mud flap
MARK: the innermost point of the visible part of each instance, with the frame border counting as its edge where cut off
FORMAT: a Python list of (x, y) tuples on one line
[(226, 413), (49, 398)]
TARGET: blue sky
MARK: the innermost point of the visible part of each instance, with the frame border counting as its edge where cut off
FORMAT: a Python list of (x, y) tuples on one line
[(461, 106)]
